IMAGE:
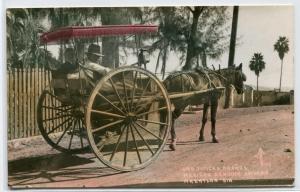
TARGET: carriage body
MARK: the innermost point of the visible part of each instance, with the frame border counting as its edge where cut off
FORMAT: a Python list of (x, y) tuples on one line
[(117, 116)]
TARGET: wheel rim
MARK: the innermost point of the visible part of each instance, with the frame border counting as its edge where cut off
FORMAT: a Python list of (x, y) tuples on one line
[(128, 118), (62, 125)]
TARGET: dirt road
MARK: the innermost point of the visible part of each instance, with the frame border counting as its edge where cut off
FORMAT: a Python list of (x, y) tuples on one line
[(256, 147)]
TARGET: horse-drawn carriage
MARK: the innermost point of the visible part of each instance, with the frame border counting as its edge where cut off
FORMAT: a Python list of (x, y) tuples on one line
[(124, 116)]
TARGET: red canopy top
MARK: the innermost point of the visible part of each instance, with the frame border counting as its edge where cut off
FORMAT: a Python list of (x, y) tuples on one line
[(106, 30)]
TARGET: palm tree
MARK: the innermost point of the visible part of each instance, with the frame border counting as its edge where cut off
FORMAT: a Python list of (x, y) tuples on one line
[(282, 47), (257, 64)]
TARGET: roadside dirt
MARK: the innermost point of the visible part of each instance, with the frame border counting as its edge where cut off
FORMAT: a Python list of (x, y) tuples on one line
[(256, 148)]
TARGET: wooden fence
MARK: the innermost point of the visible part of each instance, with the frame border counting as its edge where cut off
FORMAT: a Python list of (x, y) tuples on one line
[(24, 88)]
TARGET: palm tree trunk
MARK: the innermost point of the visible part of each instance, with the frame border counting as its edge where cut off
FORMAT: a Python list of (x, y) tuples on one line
[(257, 83), (280, 75), (257, 94)]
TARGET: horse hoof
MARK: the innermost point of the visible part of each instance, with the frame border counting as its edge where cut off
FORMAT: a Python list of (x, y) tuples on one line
[(215, 140), (201, 138), (172, 147)]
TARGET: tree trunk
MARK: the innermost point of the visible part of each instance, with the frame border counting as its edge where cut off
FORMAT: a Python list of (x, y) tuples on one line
[(280, 75), (233, 36), (203, 58), (191, 41), (164, 61), (110, 45), (110, 50), (232, 46)]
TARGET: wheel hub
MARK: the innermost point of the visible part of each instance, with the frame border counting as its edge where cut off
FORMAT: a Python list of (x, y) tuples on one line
[(78, 114), (130, 118)]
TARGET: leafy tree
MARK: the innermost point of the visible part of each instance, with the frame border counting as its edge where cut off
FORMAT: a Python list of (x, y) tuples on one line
[(206, 36), (257, 65), (212, 34), (282, 47), (191, 32), (172, 25)]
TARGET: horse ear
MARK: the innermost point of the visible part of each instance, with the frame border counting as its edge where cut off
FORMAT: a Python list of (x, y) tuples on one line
[(240, 66)]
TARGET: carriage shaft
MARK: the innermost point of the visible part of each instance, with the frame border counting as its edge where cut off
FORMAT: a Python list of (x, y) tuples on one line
[(192, 93)]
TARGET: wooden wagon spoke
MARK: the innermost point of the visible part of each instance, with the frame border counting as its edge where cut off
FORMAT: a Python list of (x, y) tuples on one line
[(117, 144), (101, 144), (136, 146), (107, 125), (133, 91), (72, 133), (117, 93), (153, 122), (153, 111), (126, 146), (147, 130), (80, 123), (59, 108), (125, 91), (62, 113), (53, 96), (110, 103), (142, 107), (58, 117), (136, 129), (144, 91), (107, 113), (58, 126), (65, 131)]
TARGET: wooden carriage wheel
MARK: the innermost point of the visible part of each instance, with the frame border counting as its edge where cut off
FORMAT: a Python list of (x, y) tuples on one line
[(61, 124), (128, 117)]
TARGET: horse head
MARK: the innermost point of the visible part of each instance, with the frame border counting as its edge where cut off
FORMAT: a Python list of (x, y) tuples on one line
[(238, 78)]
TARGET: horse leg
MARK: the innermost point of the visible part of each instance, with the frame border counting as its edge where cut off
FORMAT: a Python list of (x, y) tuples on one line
[(204, 120), (163, 116), (176, 113), (214, 107), (173, 136)]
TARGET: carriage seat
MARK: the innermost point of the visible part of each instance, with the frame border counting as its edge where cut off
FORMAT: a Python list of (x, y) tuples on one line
[(62, 84)]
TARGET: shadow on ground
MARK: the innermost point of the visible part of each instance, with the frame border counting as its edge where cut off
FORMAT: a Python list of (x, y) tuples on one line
[(54, 168)]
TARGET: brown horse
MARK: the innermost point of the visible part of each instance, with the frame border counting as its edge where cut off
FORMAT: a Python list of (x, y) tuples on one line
[(200, 79)]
